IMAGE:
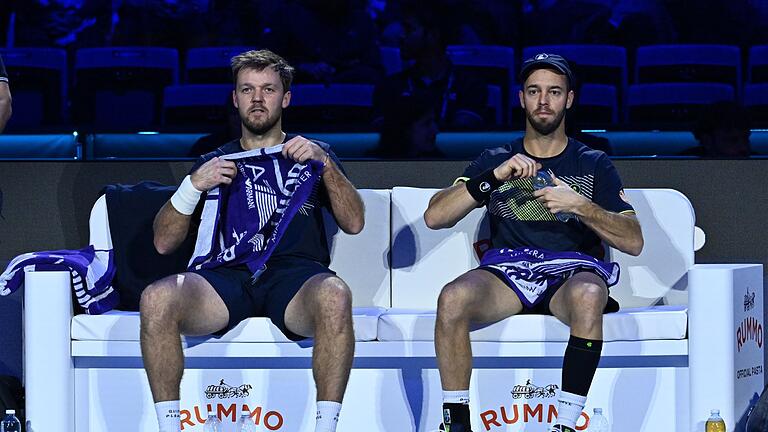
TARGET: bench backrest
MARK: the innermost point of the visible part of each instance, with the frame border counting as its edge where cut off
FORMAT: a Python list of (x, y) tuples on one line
[(362, 260), (424, 260), (396, 261)]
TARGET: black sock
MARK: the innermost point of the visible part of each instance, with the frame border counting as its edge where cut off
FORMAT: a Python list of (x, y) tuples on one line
[(580, 363), (459, 414)]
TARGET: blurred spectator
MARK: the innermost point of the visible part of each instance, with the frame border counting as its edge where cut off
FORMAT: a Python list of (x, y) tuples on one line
[(733, 22), (487, 22), (723, 131), (411, 134), (327, 40), (456, 98), (641, 22), (234, 23), (165, 23), (5, 97), (63, 23), (566, 21)]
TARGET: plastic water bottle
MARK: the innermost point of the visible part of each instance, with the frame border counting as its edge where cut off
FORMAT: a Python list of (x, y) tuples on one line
[(10, 422), (598, 422), (544, 179), (715, 423), (212, 423), (245, 423)]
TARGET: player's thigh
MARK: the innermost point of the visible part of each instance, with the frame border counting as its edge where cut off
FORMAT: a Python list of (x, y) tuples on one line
[(583, 293), (203, 309), (481, 296)]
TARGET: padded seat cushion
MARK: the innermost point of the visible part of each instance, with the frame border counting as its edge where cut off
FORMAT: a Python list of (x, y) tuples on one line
[(635, 324), (124, 326)]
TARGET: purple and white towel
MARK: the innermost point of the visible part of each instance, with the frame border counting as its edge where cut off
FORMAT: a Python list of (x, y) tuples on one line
[(91, 274), (243, 222), (530, 271)]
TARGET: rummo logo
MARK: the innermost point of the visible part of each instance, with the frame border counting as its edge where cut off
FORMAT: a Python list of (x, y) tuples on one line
[(270, 420), (750, 330), (749, 300), (226, 391), (527, 412)]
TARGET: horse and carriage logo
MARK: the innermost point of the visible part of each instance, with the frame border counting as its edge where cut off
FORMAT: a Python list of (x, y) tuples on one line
[(749, 300), (530, 391), (226, 391)]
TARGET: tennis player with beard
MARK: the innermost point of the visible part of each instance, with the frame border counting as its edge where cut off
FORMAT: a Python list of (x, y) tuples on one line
[(547, 243), (296, 290)]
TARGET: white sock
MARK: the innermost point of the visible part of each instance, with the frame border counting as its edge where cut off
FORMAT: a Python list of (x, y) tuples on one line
[(168, 416), (459, 397), (327, 416), (569, 408)]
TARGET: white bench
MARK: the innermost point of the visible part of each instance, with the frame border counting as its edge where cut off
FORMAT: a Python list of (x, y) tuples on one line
[(684, 342)]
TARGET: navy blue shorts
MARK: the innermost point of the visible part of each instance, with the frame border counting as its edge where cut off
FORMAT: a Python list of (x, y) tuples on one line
[(268, 296)]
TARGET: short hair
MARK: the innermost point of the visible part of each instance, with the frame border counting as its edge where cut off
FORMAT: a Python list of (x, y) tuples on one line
[(259, 60)]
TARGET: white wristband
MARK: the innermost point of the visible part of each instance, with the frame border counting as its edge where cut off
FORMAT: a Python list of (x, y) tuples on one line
[(185, 199)]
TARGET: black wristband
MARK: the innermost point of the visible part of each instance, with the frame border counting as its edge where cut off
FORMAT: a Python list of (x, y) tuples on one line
[(481, 186)]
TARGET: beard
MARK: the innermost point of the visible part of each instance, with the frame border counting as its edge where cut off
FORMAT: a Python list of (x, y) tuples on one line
[(259, 127), (544, 127)]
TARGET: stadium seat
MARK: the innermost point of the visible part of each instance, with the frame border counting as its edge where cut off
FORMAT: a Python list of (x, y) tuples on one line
[(673, 103), (756, 100), (197, 105), (495, 105), (597, 104), (495, 65), (595, 64), (121, 88), (211, 65), (38, 79), (320, 108), (689, 63), (757, 69)]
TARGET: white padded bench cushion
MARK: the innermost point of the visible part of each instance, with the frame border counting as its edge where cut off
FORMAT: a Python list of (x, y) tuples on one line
[(424, 260), (635, 324), (124, 326), (362, 260)]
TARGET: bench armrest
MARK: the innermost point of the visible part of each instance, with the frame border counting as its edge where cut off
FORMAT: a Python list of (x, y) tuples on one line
[(725, 336), (49, 372)]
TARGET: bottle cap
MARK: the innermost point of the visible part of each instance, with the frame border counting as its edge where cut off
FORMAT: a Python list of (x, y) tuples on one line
[(715, 412), (10, 411), (598, 410)]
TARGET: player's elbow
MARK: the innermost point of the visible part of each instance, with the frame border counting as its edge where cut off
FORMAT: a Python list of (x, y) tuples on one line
[(434, 221), (354, 227), (162, 246), (635, 247)]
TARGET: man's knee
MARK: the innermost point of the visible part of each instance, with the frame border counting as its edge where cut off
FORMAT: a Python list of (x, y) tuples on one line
[(589, 297), (454, 300), (333, 299), (159, 301)]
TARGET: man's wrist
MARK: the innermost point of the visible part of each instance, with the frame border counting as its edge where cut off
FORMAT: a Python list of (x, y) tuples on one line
[(186, 197), (482, 185), (583, 208)]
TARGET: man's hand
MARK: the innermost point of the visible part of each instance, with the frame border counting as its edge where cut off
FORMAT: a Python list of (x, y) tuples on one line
[(560, 198), (518, 166), (301, 150), (213, 173)]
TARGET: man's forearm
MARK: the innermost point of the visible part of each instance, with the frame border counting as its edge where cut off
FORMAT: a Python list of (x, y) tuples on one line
[(449, 206), (620, 231), (346, 204), (170, 229)]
